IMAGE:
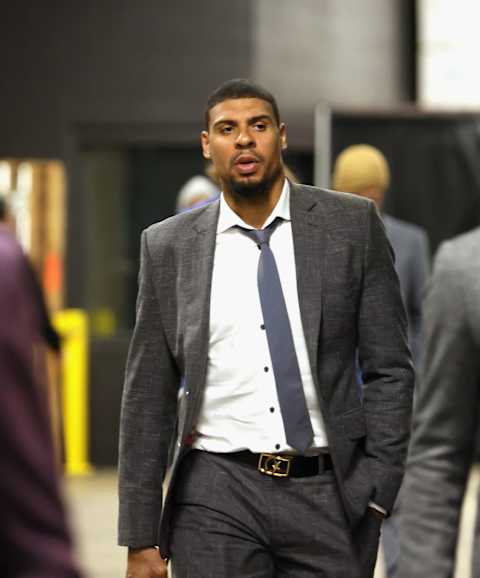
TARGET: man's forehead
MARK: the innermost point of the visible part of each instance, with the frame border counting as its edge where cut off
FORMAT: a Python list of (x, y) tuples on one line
[(240, 107)]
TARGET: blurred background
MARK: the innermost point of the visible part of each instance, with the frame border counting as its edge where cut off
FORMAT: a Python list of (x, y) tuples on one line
[(101, 107)]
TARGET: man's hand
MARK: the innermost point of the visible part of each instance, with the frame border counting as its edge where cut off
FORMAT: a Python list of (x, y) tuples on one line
[(145, 563)]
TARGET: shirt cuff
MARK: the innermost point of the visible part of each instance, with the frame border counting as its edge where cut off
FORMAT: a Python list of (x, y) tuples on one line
[(378, 508)]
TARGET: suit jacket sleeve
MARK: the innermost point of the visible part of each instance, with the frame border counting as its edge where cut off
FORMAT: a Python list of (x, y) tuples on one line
[(148, 414), (444, 429), (386, 366)]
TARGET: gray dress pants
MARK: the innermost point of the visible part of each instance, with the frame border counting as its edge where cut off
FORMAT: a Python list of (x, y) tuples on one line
[(231, 521)]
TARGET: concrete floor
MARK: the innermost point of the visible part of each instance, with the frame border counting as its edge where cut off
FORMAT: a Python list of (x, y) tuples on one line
[(92, 501), (93, 510)]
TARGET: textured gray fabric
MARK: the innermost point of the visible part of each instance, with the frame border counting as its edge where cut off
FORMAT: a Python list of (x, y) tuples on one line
[(349, 299), (288, 381), (412, 263), (248, 530), (446, 413)]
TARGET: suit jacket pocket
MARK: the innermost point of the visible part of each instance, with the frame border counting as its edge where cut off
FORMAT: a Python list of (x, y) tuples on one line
[(347, 441)]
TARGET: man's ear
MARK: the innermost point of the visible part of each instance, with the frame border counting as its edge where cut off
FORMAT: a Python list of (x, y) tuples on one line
[(283, 137), (205, 145)]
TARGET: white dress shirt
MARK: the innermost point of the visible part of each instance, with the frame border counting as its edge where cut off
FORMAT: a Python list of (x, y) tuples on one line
[(240, 407)]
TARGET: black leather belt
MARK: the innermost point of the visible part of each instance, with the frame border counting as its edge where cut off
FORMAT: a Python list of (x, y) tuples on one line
[(283, 465)]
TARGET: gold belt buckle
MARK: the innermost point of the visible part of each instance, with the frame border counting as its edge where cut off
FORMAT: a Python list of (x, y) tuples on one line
[(273, 465)]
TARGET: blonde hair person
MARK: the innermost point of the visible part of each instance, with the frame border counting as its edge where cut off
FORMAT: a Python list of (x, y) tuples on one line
[(362, 169)]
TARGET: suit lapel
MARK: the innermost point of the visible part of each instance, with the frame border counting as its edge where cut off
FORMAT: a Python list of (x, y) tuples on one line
[(309, 239), (199, 256)]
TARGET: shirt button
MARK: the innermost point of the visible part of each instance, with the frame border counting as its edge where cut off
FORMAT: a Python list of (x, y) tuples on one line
[(265, 369), (187, 393), (262, 326), (272, 409), (277, 446)]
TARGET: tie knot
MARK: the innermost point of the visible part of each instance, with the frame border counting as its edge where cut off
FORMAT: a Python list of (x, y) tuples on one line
[(261, 236)]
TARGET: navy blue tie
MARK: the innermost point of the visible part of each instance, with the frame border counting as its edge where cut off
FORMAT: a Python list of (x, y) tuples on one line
[(295, 416)]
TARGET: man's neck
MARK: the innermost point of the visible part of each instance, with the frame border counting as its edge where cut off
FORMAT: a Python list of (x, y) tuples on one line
[(255, 210)]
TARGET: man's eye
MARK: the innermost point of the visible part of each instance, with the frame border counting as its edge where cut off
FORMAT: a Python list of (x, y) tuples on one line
[(260, 126), (226, 130)]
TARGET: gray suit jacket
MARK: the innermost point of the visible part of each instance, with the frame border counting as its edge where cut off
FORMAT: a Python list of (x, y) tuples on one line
[(446, 413), (412, 263), (349, 296)]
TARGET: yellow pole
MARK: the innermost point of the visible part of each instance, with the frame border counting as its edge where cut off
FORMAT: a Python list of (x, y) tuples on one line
[(73, 327)]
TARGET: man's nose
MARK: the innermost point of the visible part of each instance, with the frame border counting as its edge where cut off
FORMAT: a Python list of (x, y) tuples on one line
[(244, 139)]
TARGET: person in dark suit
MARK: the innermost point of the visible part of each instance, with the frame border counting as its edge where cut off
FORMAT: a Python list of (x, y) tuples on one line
[(257, 304), (363, 170), (445, 425), (34, 539)]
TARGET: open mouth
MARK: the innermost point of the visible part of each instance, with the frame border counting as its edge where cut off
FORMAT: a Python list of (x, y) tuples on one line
[(246, 164)]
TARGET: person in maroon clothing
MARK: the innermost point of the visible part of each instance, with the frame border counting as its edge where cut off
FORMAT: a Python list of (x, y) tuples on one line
[(34, 538)]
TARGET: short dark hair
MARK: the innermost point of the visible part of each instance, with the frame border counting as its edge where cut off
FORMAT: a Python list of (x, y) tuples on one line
[(240, 88), (3, 209)]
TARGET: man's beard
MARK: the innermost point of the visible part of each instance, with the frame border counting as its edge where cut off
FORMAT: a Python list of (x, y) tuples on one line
[(253, 189)]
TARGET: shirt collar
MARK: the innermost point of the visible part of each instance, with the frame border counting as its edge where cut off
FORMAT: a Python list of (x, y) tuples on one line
[(227, 218)]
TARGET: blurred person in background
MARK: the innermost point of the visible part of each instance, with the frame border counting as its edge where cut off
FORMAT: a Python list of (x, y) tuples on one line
[(34, 539), (196, 192), (7, 222), (445, 421), (363, 170), (275, 468), (47, 330)]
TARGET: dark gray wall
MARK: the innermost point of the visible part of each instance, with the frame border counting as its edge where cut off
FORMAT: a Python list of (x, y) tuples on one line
[(343, 51), (113, 60), (149, 61)]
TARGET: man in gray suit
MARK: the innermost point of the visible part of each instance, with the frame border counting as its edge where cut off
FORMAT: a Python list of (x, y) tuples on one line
[(446, 414), (240, 381)]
